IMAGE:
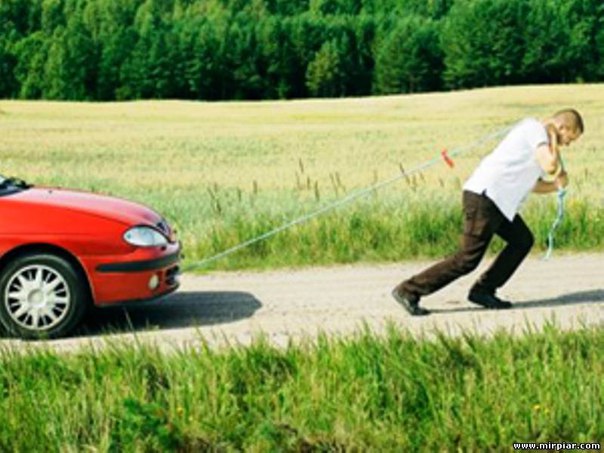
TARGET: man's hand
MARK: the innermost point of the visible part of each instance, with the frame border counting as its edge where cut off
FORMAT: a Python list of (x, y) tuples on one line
[(561, 180)]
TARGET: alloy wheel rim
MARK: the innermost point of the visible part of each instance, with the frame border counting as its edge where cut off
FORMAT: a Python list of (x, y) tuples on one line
[(37, 297)]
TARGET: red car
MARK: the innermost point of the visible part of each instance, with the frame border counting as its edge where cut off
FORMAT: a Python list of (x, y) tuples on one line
[(63, 251)]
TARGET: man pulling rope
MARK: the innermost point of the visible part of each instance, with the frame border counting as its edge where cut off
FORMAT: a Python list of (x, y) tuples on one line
[(491, 199)]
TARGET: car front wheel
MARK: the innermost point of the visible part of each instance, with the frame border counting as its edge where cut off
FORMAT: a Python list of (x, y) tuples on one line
[(43, 296)]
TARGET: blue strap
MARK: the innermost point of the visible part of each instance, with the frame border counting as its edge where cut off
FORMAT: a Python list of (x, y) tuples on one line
[(557, 222)]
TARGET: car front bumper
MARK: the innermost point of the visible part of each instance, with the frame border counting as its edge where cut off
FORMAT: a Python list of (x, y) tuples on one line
[(147, 274)]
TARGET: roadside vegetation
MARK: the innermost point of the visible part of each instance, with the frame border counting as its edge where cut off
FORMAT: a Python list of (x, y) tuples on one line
[(365, 393), (223, 173)]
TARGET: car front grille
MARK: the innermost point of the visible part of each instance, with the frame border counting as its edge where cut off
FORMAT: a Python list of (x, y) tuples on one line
[(171, 275)]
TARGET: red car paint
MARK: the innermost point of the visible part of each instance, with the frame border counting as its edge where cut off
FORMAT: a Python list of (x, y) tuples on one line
[(90, 228)]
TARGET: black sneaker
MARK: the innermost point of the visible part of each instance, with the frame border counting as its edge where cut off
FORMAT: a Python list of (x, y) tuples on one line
[(488, 300), (409, 303)]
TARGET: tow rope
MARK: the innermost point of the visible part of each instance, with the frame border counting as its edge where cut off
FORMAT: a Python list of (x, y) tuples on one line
[(444, 155), (558, 220)]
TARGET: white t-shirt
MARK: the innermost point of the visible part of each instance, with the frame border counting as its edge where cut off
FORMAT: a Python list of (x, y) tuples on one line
[(510, 172)]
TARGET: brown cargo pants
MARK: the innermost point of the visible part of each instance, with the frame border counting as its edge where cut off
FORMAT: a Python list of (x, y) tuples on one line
[(482, 220)]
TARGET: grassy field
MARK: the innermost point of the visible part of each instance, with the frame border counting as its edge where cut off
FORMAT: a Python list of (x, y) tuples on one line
[(225, 172), (368, 393)]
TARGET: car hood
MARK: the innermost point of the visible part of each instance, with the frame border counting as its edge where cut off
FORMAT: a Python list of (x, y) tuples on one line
[(107, 207)]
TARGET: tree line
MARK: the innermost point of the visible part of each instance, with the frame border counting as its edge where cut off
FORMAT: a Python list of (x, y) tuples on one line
[(280, 49)]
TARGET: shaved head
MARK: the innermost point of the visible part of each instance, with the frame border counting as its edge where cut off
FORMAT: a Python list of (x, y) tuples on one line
[(571, 119)]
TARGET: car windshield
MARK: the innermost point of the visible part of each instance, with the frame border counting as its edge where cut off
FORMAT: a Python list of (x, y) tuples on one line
[(12, 185)]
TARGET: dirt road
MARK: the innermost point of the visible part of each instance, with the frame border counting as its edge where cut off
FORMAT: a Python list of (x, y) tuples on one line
[(292, 305)]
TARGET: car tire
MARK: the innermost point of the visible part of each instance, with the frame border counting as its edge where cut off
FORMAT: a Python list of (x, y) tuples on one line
[(41, 296)]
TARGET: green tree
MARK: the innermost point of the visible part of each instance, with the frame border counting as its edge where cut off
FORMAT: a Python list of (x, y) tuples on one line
[(111, 26), (31, 53), (52, 16), (335, 7), (242, 57), (365, 29), (401, 8), (409, 58), (8, 63), (8, 60), (151, 68), (598, 62), (71, 66), (483, 43), (198, 43), (307, 33), (55, 81), (277, 59), (286, 7), (558, 41), (325, 76)]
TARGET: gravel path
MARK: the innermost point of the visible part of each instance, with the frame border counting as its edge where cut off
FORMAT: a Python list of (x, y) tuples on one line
[(234, 307)]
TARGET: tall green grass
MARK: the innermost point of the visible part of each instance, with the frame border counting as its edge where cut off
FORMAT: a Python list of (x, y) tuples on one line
[(367, 393), (382, 227)]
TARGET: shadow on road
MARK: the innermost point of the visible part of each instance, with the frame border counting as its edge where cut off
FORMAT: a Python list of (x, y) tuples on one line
[(565, 299), (183, 309)]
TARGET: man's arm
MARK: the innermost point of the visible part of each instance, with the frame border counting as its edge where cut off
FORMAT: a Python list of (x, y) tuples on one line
[(548, 155)]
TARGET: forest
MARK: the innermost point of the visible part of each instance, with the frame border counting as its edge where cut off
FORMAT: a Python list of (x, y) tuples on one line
[(105, 50)]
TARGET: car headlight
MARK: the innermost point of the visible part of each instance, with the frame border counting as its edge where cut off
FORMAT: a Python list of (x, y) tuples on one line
[(143, 236)]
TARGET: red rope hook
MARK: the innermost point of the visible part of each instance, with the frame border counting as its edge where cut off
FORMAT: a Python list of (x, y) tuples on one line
[(447, 159)]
